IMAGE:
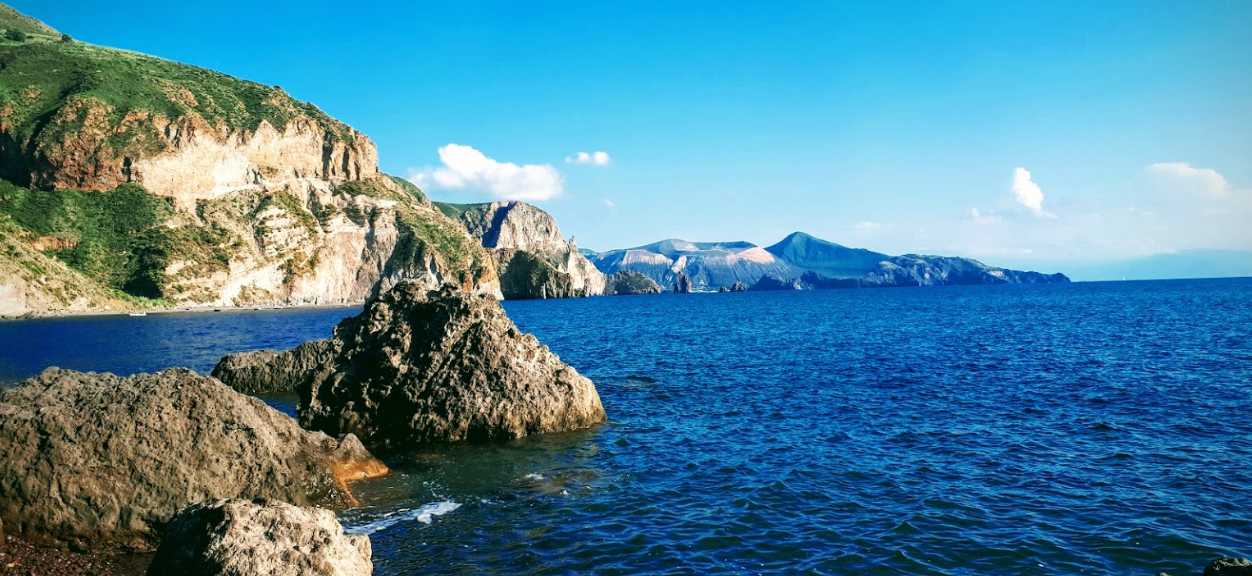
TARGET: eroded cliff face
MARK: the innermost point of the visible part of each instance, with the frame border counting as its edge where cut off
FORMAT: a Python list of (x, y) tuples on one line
[(270, 201), (533, 259), (188, 158), (312, 242)]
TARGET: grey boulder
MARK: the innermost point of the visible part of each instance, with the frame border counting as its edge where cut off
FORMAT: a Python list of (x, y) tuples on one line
[(259, 538), (103, 460)]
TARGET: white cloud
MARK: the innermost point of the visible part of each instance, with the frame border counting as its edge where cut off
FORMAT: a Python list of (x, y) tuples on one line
[(866, 226), (608, 203), (464, 167), (1182, 175), (597, 158), (1028, 193), (980, 217)]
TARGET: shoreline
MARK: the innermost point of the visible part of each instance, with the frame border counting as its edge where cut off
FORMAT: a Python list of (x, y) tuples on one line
[(178, 310)]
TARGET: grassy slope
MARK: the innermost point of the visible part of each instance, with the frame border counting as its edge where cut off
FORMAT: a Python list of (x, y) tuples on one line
[(11, 19), (46, 87)]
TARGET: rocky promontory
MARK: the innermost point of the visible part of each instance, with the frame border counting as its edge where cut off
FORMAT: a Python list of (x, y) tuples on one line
[(532, 258), (628, 282), (419, 366), (259, 538), (100, 460)]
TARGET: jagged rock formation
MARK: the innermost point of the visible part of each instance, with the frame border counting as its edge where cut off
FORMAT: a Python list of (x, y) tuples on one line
[(417, 367), (627, 282), (801, 261), (245, 538), (682, 284), (708, 265), (736, 287), (533, 259), (100, 459), (251, 197)]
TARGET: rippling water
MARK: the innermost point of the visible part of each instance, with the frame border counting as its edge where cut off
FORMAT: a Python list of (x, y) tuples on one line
[(1091, 428)]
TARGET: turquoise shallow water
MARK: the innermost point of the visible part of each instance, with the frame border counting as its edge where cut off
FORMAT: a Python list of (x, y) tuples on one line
[(1090, 428)]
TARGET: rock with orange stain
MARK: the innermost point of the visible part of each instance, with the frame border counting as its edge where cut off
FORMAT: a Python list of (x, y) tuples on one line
[(103, 460)]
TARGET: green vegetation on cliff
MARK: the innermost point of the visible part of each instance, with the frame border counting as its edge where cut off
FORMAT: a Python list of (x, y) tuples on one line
[(50, 88), (12, 20), (114, 237)]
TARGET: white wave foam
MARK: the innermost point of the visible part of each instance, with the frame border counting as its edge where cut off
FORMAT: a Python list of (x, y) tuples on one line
[(423, 514), (533, 477)]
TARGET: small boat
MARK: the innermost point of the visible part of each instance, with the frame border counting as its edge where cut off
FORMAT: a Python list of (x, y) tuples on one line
[(136, 313)]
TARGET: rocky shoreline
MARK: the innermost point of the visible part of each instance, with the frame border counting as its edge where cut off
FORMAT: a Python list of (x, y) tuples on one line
[(102, 471)]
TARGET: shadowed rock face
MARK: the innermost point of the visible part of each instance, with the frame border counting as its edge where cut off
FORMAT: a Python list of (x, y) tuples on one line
[(270, 372), (417, 367), (628, 282), (1229, 567), (243, 538), (100, 459)]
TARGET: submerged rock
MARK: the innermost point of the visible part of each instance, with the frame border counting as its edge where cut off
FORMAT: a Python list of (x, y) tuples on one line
[(243, 538), (1229, 567), (629, 282), (418, 366), (100, 459)]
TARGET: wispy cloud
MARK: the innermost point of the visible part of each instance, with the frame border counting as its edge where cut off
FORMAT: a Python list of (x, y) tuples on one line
[(1028, 193), (1183, 176), (866, 226), (608, 203), (981, 217), (464, 167), (597, 158)]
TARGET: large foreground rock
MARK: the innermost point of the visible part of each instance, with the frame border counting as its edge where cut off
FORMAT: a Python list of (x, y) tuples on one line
[(245, 538), (417, 367), (100, 459)]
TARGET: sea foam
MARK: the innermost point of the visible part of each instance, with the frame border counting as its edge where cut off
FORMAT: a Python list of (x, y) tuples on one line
[(423, 514)]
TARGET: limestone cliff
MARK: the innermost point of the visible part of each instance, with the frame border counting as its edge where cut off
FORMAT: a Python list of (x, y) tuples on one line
[(244, 196), (533, 259)]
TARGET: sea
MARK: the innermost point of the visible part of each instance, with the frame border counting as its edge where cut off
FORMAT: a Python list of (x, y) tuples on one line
[(1089, 428)]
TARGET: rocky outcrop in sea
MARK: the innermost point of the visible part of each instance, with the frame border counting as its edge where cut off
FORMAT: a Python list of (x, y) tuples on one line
[(100, 460), (419, 366), (532, 257), (736, 287), (682, 284), (629, 282), (259, 538)]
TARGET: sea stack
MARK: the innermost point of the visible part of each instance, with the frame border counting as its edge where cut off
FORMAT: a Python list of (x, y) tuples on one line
[(419, 366)]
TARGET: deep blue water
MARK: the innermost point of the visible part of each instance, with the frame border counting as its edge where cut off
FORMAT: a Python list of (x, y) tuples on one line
[(1090, 428)]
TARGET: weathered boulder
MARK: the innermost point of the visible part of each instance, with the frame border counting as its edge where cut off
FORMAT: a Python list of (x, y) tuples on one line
[(629, 282), (100, 459), (270, 372), (259, 538), (1229, 567), (417, 367)]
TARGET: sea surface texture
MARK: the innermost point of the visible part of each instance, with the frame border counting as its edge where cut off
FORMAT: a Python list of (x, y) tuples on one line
[(1098, 428)]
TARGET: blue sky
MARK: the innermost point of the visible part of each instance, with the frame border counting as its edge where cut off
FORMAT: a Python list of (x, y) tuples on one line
[(894, 126)]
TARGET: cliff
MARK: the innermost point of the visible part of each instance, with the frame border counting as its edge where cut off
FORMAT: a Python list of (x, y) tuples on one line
[(533, 259), (187, 187)]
